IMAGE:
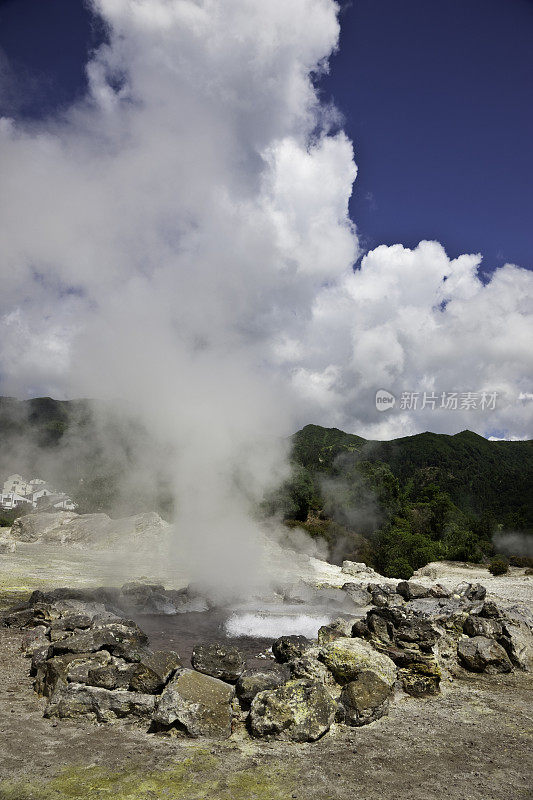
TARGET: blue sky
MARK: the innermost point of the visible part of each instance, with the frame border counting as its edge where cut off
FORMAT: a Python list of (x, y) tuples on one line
[(437, 98), (197, 202)]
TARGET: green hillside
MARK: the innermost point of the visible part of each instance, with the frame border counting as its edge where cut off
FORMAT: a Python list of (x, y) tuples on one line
[(402, 503), (395, 504)]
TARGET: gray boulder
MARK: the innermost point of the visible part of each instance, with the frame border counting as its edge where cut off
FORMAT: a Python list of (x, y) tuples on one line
[(357, 593), (309, 667), (479, 626), (33, 640), (300, 710), (480, 654), (77, 700), (412, 591), (364, 700), (347, 658), (421, 677), (198, 703), (472, 592), (287, 648), (39, 658), (152, 672), (218, 660), (69, 667), (416, 630), (123, 639), (334, 630), (251, 683)]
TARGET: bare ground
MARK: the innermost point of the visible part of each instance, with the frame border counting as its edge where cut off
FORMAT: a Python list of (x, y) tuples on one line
[(474, 742)]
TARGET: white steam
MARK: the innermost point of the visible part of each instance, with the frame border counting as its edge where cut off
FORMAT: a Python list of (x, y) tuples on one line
[(181, 238)]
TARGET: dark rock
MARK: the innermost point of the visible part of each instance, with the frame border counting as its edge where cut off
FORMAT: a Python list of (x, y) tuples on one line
[(300, 710), (39, 657), (250, 683), (473, 592), (490, 610), (439, 591), (480, 654), (364, 699), (150, 598), (33, 640), (412, 591), (417, 630), (357, 593), (517, 637), (421, 678), (152, 672), (218, 660), (383, 595), (335, 629), (480, 626), (380, 627), (287, 648), (71, 622), (20, 619), (112, 676), (70, 667), (310, 668), (198, 703), (346, 658), (360, 629), (121, 639), (75, 700)]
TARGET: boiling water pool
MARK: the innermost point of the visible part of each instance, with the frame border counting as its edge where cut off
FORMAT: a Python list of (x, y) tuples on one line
[(252, 631)]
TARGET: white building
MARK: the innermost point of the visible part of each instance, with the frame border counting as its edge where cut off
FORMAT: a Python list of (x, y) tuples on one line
[(35, 493), (10, 500)]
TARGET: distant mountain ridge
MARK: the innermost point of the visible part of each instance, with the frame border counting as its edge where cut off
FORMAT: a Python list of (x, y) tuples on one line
[(396, 504), (477, 473)]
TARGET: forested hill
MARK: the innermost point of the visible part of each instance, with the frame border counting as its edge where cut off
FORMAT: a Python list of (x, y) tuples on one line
[(477, 474), (395, 504), (401, 503)]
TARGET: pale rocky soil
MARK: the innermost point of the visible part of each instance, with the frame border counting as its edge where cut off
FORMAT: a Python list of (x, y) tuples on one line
[(473, 742)]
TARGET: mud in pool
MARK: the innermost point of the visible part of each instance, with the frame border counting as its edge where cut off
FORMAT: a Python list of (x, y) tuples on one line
[(251, 631), (181, 632)]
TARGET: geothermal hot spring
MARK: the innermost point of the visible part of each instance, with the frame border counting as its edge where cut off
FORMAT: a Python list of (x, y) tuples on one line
[(251, 627)]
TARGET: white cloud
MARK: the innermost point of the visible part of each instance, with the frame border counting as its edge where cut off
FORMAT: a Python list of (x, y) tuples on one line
[(197, 202), (417, 321)]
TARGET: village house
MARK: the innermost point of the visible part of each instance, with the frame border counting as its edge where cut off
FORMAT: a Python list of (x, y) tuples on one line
[(35, 493)]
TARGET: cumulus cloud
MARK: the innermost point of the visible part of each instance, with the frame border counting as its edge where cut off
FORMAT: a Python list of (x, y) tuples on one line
[(417, 323), (160, 235), (181, 237)]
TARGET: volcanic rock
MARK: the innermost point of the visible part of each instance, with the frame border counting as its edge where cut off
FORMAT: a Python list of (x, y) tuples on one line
[(480, 654), (250, 683), (364, 699), (347, 658), (479, 626), (412, 591), (199, 704), (75, 700), (218, 660), (288, 647), (300, 710)]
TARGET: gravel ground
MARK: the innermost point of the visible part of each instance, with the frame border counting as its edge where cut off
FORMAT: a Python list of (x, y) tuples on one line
[(514, 587), (473, 742)]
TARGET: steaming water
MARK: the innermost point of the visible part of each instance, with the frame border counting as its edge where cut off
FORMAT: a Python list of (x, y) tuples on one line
[(267, 625)]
